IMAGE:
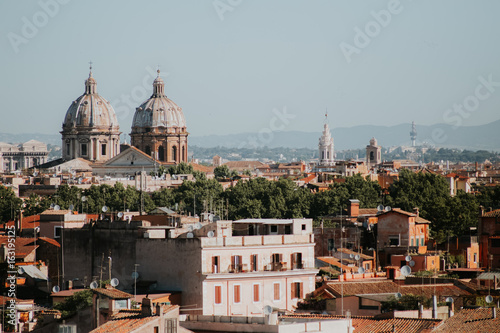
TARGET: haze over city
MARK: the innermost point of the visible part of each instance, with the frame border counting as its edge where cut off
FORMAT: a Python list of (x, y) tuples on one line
[(229, 65)]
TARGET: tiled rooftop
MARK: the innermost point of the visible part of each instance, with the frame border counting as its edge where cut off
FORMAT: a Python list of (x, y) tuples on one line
[(112, 293), (364, 324), (471, 320)]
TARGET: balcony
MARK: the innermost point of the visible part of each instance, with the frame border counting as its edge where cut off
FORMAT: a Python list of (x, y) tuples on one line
[(256, 240)]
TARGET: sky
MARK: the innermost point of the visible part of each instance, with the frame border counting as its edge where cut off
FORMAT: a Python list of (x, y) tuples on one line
[(253, 65)]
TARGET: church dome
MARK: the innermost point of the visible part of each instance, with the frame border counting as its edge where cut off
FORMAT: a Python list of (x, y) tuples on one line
[(373, 142), (91, 110), (158, 110)]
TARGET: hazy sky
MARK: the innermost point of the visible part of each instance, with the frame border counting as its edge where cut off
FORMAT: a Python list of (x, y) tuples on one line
[(230, 63)]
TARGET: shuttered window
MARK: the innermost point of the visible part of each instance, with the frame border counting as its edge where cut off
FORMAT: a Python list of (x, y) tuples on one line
[(218, 296), (237, 293), (256, 293), (277, 292)]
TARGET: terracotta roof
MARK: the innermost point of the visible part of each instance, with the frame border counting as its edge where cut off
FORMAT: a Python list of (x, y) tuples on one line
[(370, 324), (23, 248), (112, 293), (66, 293), (363, 256), (243, 164), (334, 262), (368, 211), (428, 290), (494, 213), (309, 178), (50, 240), (202, 168), (471, 320), (400, 211), (28, 222), (55, 212), (357, 288), (124, 324)]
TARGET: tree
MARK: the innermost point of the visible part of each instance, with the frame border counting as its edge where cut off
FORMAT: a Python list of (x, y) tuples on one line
[(406, 302), (9, 204), (72, 304), (181, 169), (222, 172)]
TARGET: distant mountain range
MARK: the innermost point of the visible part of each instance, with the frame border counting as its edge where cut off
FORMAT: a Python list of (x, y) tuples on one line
[(482, 137)]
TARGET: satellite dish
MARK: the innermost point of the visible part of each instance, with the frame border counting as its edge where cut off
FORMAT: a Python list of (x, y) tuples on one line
[(52, 205), (211, 234), (380, 208), (135, 275), (84, 198), (190, 228), (198, 225), (93, 285), (357, 256), (268, 310), (71, 207), (120, 215), (56, 289), (351, 256), (20, 270), (398, 295), (489, 299), (361, 270), (405, 270), (411, 263), (449, 300), (114, 282), (408, 258), (57, 207), (104, 209), (387, 208), (189, 235)]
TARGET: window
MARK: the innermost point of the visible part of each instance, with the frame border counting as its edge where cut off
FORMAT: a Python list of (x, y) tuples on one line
[(475, 257), (161, 153), (288, 230), (277, 261), (215, 264), (422, 241), (103, 149), (171, 325), (84, 149), (218, 295), (277, 292), (148, 150), (303, 227), (394, 240), (156, 330), (254, 266), (67, 329), (67, 149), (296, 260), (174, 153), (274, 229), (57, 232), (331, 244), (121, 304), (296, 289), (236, 265), (256, 293), (237, 293), (372, 156), (411, 241)]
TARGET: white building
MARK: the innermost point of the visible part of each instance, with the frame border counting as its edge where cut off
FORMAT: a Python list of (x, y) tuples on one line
[(22, 156)]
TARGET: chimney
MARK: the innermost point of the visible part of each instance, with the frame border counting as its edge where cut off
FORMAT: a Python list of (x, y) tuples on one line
[(494, 312), (415, 211), (146, 307), (420, 311), (481, 210), (434, 307), (353, 210), (159, 310)]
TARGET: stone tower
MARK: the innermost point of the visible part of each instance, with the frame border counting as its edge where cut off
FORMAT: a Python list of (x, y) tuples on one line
[(373, 153), (325, 145)]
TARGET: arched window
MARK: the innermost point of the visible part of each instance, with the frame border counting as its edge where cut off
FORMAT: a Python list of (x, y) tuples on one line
[(161, 153), (174, 153), (148, 150), (184, 157), (372, 156), (323, 155)]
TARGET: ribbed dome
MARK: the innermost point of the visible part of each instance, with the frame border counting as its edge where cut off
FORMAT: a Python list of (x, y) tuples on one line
[(91, 110), (158, 110)]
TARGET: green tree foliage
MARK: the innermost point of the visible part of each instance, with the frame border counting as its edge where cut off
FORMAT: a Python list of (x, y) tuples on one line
[(406, 302), (71, 305), (489, 197), (260, 198), (181, 169), (9, 204), (450, 215), (206, 192), (223, 172), (336, 198)]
